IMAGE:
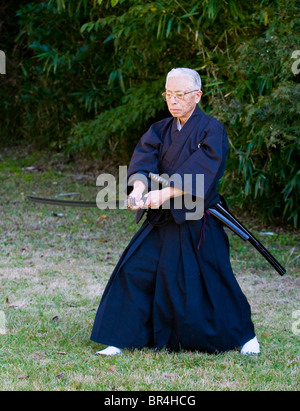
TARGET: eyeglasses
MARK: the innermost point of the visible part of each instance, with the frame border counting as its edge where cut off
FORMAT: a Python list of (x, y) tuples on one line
[(180, 96)]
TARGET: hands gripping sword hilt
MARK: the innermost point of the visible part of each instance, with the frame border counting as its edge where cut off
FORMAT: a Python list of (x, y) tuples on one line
[(130, 201)]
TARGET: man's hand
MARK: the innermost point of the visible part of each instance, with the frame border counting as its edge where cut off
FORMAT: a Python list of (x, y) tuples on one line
[(156, 198), (137, 193)]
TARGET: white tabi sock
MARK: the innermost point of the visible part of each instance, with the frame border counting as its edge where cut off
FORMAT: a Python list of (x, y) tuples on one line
[(251, 347), (110, 350)]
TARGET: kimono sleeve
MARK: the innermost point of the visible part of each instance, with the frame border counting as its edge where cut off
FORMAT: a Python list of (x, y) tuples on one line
[(145, 158)]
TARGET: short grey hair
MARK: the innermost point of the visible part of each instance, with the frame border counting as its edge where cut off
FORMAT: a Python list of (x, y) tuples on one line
[(195, 79)]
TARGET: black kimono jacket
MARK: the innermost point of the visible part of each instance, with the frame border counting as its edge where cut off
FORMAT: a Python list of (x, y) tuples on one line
[(199, 148), (165, 291)]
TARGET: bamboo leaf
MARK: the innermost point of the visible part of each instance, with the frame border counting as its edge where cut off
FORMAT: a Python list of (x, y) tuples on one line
[(169, 26)]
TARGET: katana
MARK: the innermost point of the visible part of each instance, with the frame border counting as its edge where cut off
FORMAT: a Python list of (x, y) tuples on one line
[(219, 211)]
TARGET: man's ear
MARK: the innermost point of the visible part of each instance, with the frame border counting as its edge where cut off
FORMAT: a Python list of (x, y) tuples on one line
[(198, 96)]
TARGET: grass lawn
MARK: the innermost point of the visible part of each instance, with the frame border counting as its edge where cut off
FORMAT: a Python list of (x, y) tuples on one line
[(55, 263)]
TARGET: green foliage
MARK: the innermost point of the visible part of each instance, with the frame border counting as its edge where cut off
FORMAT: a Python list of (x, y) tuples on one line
[(262, 116), (89, 74), (116, 123)]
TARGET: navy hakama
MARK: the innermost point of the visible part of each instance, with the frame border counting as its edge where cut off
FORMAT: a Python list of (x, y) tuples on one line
[(165, 291)]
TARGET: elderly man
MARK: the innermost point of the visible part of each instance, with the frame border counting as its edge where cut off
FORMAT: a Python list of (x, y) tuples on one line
[(174, 286)]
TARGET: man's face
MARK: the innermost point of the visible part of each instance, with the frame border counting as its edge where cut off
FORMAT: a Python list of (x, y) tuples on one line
[(182, 108)]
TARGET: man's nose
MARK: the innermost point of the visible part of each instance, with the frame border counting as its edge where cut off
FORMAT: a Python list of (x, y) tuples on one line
[(173, 99)]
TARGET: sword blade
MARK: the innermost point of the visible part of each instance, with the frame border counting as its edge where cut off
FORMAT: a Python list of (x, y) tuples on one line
[(86, 204), (118, 204)]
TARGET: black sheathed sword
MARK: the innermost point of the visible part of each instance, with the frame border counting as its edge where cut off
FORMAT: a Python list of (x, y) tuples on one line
[(252, 240), (228, 219), (218, 211)]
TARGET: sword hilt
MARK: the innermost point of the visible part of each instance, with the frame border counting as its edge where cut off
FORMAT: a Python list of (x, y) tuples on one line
[(158, 179), (130, 201)]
